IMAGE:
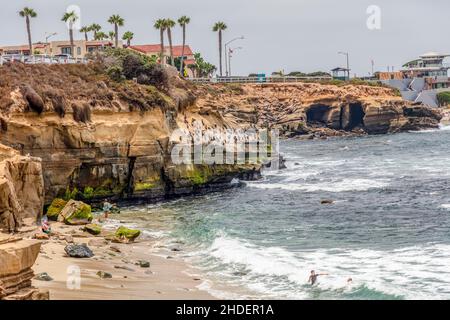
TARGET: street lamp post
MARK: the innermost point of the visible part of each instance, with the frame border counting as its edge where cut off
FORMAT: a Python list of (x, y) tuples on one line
[(348, 63), (47, 37), (230, 56), (226, 53)]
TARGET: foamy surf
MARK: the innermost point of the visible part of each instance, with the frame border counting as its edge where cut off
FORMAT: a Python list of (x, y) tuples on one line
[(392, 274), (343, 185)]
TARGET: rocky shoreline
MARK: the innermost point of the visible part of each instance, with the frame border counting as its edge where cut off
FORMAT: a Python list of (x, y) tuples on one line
[(89, 138)]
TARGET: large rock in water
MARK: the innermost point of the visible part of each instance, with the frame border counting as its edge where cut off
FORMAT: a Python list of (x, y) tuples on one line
[(21, 189), (76, 213), (16, 259)]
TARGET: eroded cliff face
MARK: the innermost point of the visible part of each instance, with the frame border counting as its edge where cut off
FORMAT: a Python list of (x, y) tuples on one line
[(71, 130), (113, 143), (21, 188), (16, 259), (308, 109)]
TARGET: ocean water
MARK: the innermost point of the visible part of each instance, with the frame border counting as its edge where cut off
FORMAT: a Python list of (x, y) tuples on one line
[(388, 228)]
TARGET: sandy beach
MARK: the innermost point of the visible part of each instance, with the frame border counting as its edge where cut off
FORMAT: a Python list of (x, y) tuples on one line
[(168, 276)]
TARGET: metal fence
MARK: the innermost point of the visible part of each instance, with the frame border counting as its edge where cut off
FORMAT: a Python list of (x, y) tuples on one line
[(40, 59), (257, 79)]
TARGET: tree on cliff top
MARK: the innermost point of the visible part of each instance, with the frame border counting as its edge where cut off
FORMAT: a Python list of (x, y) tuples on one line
[(160, 24), (169, 23), (183, 22), (95, 28), (70, 18), (219, 27), (28, 13), (128, 36), (100, 36), (117, 21), (85, 30)]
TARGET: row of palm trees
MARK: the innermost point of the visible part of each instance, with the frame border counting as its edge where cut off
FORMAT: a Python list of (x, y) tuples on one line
[(167, 25), (71, 18), (163, 25)]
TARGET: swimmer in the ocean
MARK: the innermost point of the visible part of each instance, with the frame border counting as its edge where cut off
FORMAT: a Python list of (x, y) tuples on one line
[(313, 277)]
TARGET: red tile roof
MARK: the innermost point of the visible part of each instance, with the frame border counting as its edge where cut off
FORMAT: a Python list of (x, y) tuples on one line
[(189, 62), (156, 48), (177, 51), (98, 43)]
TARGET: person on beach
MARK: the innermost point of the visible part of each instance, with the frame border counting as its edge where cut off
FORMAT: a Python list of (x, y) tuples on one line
[(313, 277), (107, 208), (45, 226)]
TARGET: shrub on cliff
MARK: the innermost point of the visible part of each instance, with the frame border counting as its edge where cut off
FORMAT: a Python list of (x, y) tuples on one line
[(443, 98), (34, 100), (81, 112), (3, 124), (123, 64)]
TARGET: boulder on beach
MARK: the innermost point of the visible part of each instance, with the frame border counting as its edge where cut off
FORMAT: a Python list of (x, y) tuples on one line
[(143, 264), (126, 235), (55, 208), (104, 275), (93, 229), (44, 276), (78, 251), (76, 213)]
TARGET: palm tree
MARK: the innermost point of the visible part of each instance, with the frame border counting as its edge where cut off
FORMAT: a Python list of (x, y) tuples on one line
[(95, 28), (169, 25), (160, 24), (85, 30), (112, 35), (28, 13), (117, 21), (70, 18), (183, 22), (128, 36), (100, 36), (219, 27)]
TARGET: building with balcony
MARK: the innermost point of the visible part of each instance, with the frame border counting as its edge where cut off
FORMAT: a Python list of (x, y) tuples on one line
[(80, 49), (422, 79)]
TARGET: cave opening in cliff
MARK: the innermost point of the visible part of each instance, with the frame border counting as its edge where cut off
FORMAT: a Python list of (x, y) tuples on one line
[(356, 116), (318, 114)]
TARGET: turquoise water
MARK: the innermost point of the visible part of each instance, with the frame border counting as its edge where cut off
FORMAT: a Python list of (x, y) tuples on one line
[(388, 228)]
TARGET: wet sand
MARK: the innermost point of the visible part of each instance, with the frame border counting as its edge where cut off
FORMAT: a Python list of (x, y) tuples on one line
[(168, 276)]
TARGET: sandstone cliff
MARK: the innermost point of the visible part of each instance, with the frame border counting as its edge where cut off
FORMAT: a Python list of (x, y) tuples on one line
[(308, 108), (16, 259), (96, 138), (21, 188)]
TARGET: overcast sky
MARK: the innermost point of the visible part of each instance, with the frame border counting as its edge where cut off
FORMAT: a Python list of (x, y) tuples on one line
[(289, 35)]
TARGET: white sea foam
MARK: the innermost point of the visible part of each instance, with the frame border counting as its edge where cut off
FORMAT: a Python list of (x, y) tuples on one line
[(343, 185), (411, 272)]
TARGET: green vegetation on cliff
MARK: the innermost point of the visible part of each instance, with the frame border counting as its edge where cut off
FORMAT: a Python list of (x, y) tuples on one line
[(443, 98)]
